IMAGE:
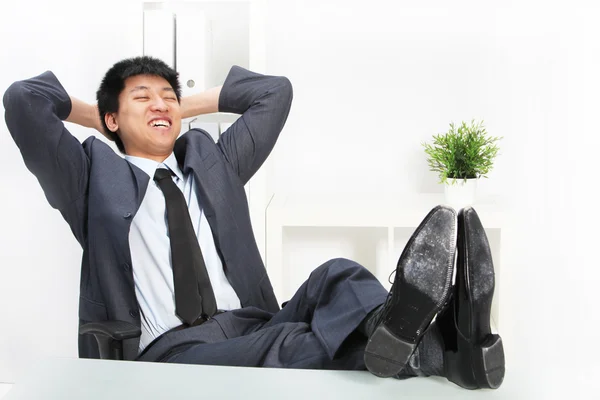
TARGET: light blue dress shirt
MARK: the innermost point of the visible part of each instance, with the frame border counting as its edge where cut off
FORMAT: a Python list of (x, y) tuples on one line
[(151, 253)]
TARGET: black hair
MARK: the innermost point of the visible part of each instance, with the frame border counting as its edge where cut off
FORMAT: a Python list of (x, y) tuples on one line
[(113, 84)]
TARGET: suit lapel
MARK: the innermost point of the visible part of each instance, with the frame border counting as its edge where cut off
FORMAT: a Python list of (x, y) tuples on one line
[(141, 185)]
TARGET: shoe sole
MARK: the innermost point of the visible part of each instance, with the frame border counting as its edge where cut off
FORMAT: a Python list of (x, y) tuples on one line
[(485, 352), (489, 370), (486, 360), (393, 342)]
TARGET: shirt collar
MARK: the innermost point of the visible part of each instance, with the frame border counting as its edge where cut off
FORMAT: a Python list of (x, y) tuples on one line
[(150, 166)]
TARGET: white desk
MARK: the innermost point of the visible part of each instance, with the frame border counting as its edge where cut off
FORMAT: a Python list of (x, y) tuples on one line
[(64, 379), (4, 388)]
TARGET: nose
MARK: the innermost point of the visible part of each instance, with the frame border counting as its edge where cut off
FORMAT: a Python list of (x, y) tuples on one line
[(159, 104)]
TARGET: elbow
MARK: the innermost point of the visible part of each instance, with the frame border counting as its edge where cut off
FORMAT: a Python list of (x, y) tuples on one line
[(13, 100), (12, 96), (285, 92), (287, 89)]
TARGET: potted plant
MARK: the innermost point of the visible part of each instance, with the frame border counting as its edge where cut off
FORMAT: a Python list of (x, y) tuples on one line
[(461, 156)]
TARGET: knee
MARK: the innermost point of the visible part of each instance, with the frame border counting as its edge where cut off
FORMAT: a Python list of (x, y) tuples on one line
[(338, 271), (341, 266), (344, 262)]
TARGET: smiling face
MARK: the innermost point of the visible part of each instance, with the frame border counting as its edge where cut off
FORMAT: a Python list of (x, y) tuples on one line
[(149, 117)]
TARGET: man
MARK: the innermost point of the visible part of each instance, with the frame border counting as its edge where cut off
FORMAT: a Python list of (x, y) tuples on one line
[(168, 245)]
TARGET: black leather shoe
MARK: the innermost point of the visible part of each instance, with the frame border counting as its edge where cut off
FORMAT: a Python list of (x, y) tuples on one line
[(473, 356), (421, 288)]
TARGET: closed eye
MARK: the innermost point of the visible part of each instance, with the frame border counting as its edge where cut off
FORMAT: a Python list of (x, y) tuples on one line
[(138, 98)]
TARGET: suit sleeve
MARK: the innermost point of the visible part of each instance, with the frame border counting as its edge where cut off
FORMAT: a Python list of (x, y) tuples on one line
[(264, 102), (34, 111)]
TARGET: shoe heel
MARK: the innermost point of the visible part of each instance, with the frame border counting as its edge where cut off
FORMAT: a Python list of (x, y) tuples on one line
[(386, 354), (490, 355)]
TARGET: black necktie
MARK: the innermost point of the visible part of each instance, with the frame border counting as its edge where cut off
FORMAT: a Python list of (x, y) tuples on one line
[(194, 296)]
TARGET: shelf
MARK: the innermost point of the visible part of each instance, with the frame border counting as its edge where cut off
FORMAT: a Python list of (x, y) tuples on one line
[(306, 248), (369, 210), (303, 231)]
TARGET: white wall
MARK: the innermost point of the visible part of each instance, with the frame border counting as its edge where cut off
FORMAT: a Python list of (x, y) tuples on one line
[(372, 80), (39, 258)]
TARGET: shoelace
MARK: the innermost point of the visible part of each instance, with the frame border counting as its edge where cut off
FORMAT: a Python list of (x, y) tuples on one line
[(390, 277)]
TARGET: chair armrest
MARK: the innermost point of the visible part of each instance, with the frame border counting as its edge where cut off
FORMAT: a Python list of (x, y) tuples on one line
[(117, 330), (110, 336)]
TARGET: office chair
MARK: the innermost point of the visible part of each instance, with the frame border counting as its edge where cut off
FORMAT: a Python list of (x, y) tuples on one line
[(110, 336)]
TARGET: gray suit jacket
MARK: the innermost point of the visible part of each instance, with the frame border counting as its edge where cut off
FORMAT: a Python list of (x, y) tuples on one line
[(98, 192)]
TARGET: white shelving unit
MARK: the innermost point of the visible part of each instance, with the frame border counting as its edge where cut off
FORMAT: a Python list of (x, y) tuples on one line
[(379, 224)]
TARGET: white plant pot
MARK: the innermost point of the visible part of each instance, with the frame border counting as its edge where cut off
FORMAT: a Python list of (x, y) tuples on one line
[(460, 193)]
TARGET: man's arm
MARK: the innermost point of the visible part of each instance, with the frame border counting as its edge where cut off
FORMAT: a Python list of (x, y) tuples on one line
[(206, 102), (84, 114), (34, 111), (264, 102)]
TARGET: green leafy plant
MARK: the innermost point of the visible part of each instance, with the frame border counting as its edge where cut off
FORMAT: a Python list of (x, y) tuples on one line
[(465, 152)]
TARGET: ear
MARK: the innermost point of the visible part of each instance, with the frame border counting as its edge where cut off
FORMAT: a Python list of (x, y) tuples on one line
[(111, 121)]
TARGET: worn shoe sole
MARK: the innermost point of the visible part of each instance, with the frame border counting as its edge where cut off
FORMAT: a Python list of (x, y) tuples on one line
[(420, 290), (488, 357), (478, 349)]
